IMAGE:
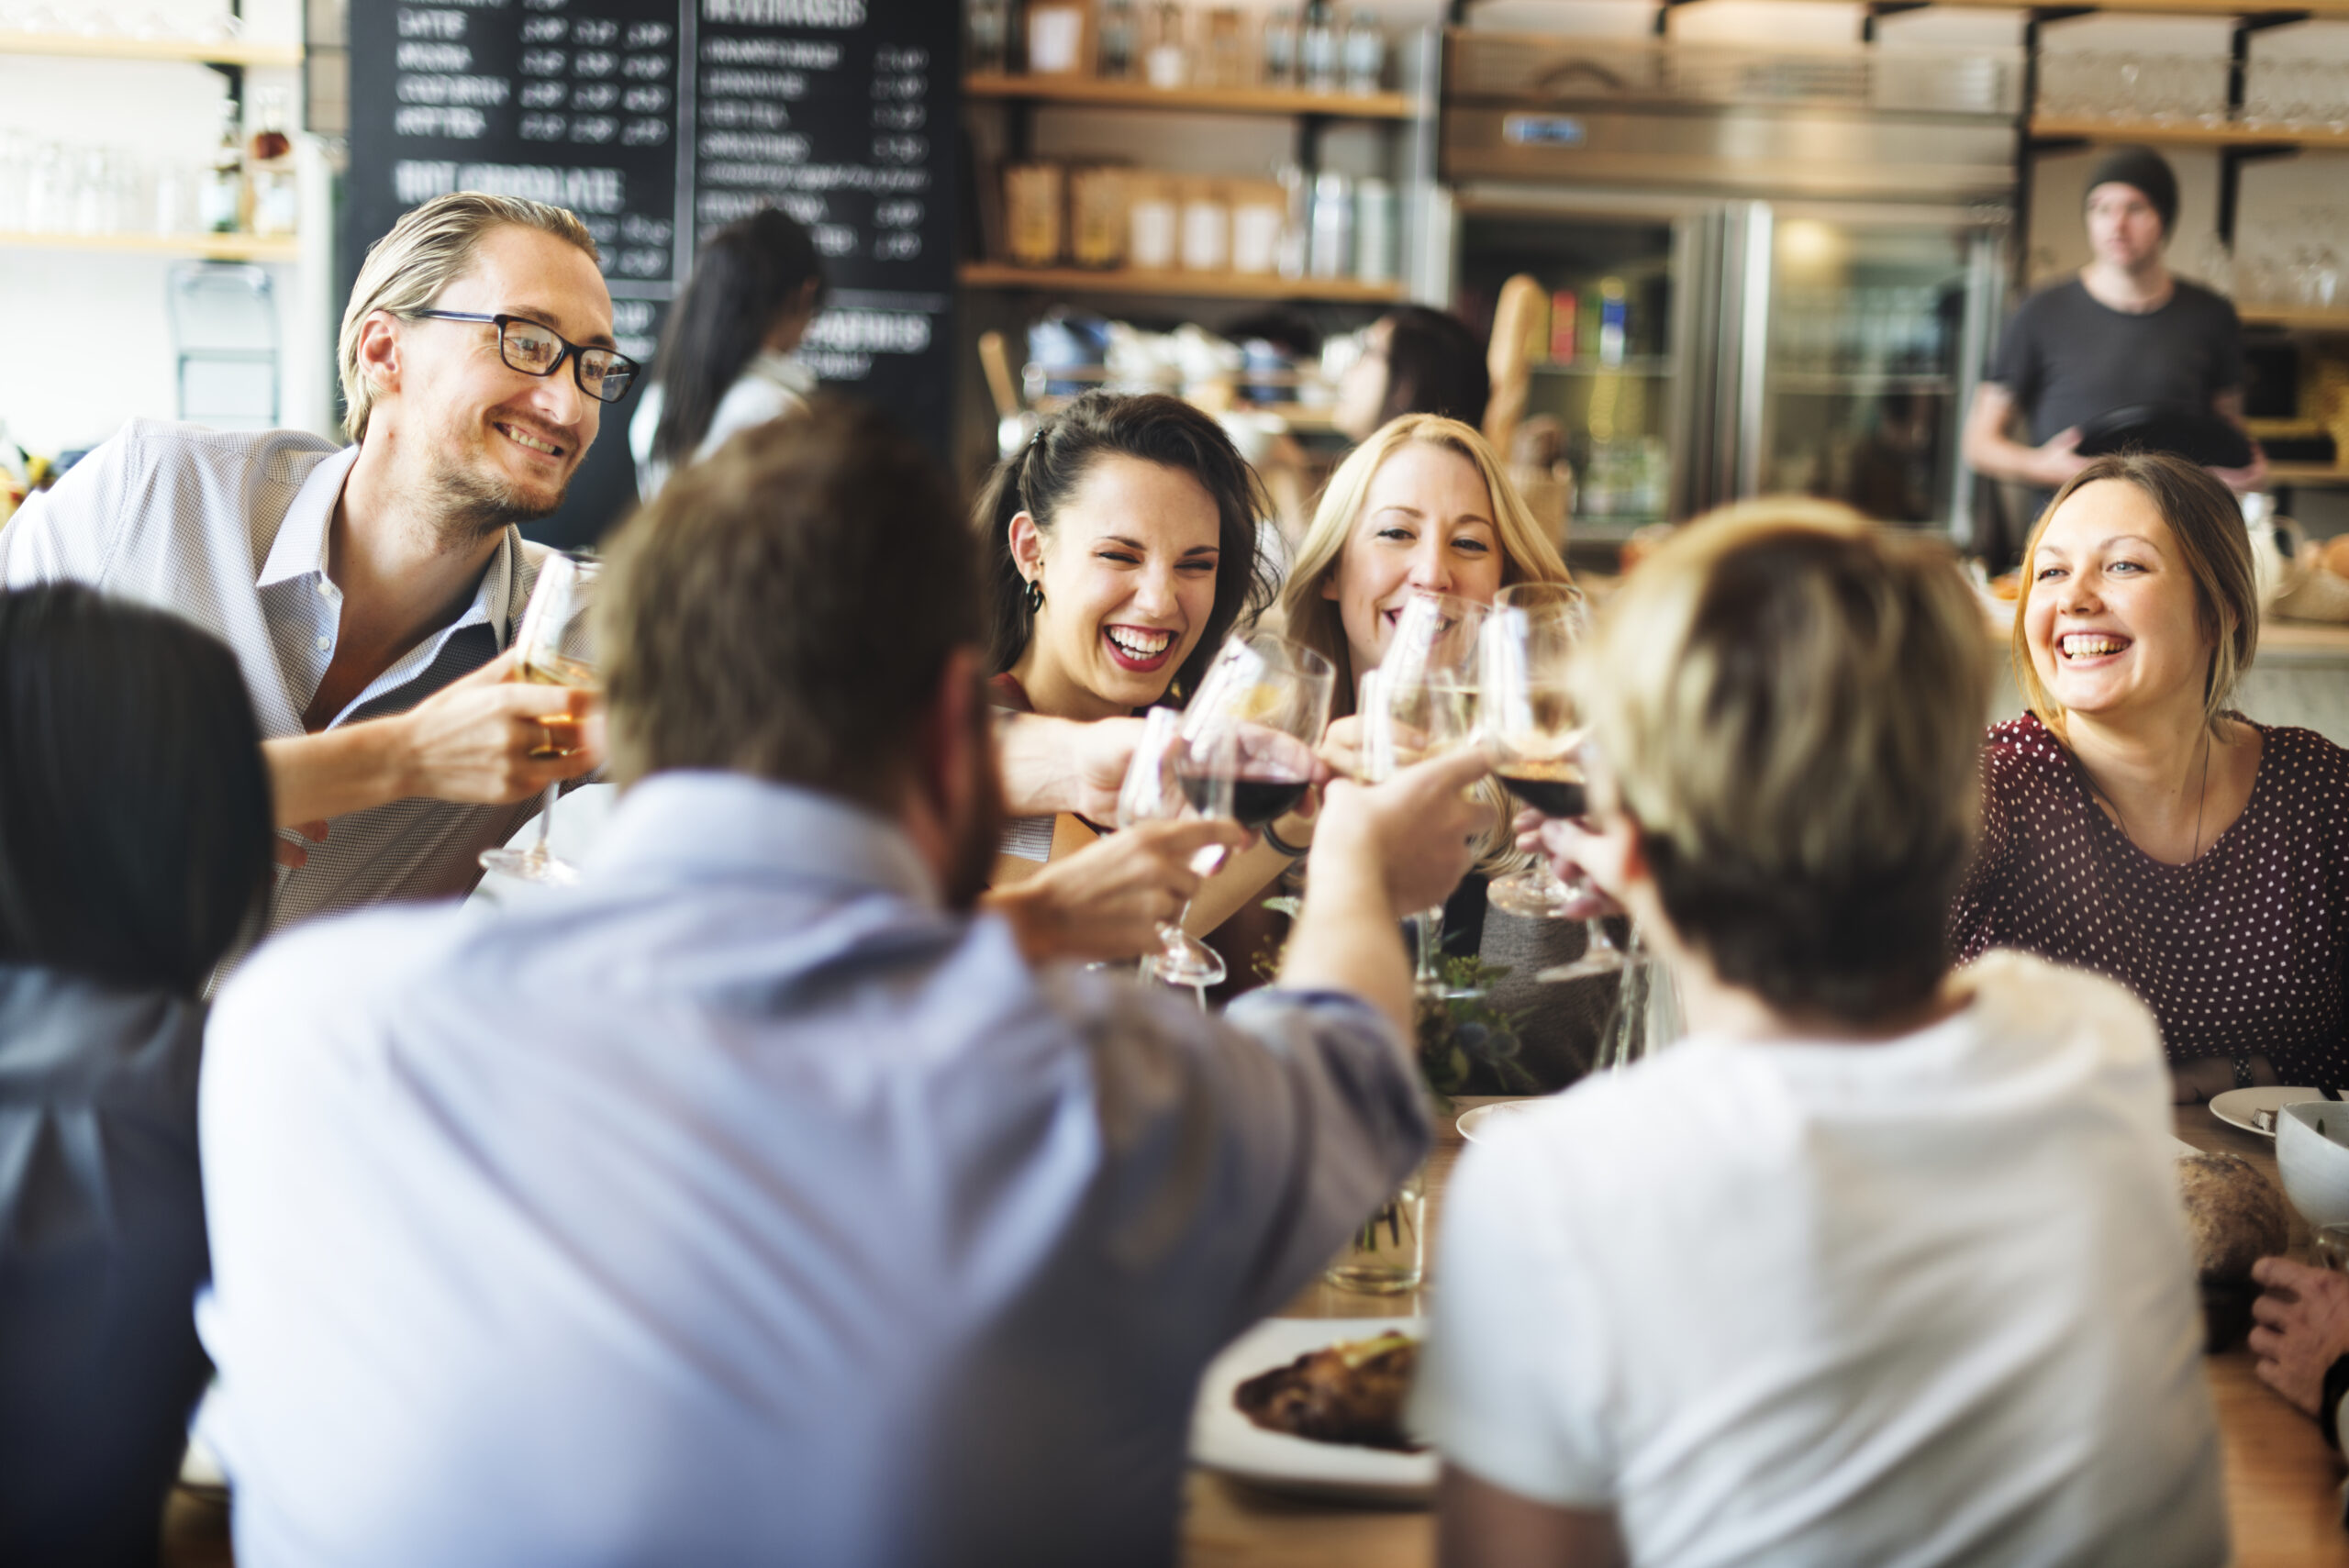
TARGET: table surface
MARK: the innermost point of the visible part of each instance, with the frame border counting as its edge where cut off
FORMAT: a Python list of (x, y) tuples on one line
[(2283, 1483)]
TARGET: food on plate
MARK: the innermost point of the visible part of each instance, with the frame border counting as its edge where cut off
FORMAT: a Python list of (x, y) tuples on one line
[(1349, 1393), (2234, 1217)]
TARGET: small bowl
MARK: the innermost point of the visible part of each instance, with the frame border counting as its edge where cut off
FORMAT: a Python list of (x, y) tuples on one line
[(2315, 1163)]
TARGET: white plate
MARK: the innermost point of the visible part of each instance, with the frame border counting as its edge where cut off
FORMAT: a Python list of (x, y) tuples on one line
[(2236, 1106), (1472, 1121), (1223, 1439)]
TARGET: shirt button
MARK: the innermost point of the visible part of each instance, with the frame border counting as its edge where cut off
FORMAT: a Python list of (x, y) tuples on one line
[(325, 587), (324, 643)]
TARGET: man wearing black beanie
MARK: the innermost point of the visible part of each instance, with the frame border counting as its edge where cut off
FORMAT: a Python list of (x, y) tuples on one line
[(2125, 332)]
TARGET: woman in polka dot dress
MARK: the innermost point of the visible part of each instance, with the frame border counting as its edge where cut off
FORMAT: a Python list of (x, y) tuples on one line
[(2132, 822)]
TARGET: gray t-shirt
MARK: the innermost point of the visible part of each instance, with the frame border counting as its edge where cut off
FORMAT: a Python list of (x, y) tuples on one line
[(2066, 359)]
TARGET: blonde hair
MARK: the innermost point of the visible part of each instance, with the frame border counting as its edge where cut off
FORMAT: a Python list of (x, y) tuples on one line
[(1526, 554), (428, 249), (1788, 698), (2207, 522)]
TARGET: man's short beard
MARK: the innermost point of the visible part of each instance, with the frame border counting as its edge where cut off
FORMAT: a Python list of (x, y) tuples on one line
[(467, 509)]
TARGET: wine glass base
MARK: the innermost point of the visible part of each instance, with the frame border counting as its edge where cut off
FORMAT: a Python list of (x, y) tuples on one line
[(1187, 962), (1530, 903), (1584, 968), (530, 865)]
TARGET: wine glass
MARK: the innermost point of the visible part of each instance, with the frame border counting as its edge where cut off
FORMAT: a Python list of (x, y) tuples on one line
[(1247, 737), (1151, 793), (1433, 632), (1528, 717), (555, 652), (1407, 720)]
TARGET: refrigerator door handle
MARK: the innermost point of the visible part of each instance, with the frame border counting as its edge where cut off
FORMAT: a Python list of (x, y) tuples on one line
[(1754, 345)]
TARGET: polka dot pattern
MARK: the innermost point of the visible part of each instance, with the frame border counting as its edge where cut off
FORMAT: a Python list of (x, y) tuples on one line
[(2239, 952)]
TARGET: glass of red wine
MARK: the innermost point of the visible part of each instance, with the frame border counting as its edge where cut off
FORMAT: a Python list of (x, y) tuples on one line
[(1248, 735), (1151, 793), (1528, 714)]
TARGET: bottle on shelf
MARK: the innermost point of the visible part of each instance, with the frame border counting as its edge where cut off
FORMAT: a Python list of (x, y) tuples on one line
[(1168, 62), (1280, 47), (1318, 58), (1366, 54), (1614, 321), (220, 204), (988, 24), (1120, 32), (275, 206), (1333, 252)]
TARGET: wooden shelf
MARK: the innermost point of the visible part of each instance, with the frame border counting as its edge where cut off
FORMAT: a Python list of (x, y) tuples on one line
[(223, 52), (1191, 100), (2173, 7), (2312, 317), (1181, 285), (2316, 476), (211, 247), (2181, 133)]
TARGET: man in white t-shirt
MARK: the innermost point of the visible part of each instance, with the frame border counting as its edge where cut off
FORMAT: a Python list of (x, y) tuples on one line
[(1883, 1264)]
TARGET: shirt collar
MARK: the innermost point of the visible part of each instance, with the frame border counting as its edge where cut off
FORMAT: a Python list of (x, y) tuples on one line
[(727, 824), (300, 551), (300, 547), (786, 371)]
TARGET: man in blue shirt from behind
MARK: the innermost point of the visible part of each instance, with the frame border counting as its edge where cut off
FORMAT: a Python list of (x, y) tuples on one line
[(755, 1201)]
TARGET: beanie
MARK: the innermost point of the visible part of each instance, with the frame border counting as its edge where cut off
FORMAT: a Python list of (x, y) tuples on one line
[(2147, 171)]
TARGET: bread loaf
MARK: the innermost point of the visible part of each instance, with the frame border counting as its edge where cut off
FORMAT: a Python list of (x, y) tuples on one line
[(2234, 1217)]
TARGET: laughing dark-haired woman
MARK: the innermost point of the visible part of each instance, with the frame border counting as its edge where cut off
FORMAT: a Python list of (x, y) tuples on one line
[(1118, 548), (133, 854)]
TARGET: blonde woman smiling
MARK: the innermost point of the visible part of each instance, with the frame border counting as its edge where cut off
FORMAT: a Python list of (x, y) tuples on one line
[(1424, 507)]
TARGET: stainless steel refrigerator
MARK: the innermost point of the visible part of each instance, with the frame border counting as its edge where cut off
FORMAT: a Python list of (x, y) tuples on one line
[(1766, 272)]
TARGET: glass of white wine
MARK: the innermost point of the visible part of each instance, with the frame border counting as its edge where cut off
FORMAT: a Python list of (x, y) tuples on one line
[(555, 652)]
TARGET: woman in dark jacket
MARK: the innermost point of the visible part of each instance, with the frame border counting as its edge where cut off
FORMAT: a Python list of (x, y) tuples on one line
[(135, 848)]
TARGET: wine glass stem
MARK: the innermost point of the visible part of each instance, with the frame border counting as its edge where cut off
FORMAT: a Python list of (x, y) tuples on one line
[(1428, 925), (544, 848)]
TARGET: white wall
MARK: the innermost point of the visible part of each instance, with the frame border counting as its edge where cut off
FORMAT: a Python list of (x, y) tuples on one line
[(87, 342)]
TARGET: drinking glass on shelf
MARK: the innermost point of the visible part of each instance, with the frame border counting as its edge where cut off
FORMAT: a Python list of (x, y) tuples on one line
[(555, 652), (1151, 793)]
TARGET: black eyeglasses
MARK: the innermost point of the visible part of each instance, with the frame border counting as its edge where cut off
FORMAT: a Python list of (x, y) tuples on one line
[(604, 375)]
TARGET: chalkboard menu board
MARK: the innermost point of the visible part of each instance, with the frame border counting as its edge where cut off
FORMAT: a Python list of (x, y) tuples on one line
[(659, 121)]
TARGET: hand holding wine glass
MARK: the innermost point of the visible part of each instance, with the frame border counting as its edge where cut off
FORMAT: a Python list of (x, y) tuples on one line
[(1529, 720), (1408, 719), (552, 650)]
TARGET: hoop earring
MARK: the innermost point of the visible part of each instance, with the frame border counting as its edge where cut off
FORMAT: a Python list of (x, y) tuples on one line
[(1035, 596)]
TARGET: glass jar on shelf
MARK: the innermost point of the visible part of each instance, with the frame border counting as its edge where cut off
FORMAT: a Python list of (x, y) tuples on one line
[(1280, 47), (1167, 62), (1364, 54), (275, 207), (220, 202), (1120, 35), (1317, 49)]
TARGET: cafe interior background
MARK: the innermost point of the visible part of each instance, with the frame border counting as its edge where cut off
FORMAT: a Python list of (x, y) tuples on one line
[(1770, 242)]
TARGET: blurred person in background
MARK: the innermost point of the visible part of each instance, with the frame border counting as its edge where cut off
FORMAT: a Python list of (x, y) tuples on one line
[(1424, 505), (1884, 1262), (2126, 331), (1414, 360), (2133, 822), (755, 1196), (134, 852), (371, 593), (727, 359)]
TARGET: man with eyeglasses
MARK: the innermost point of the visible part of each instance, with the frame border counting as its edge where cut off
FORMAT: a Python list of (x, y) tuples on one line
[(372, 592)]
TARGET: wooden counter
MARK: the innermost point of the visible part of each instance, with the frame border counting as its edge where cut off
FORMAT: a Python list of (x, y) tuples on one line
[(2283, 1484)]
